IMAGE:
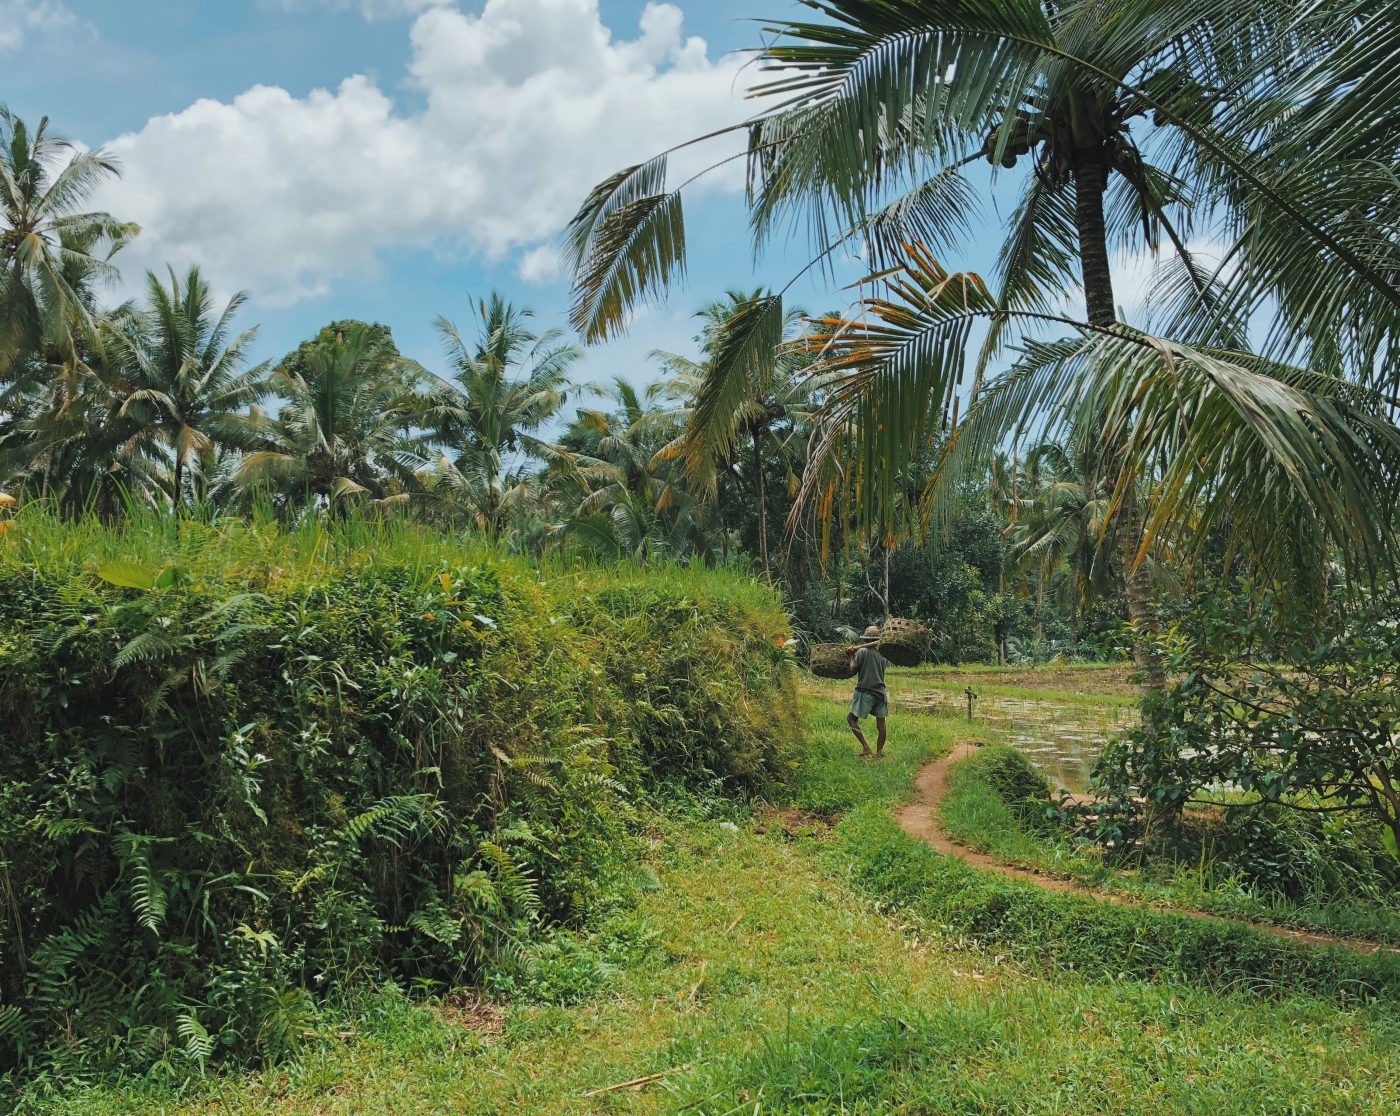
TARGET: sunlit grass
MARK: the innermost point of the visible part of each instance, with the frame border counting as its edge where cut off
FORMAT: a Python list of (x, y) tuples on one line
[(771, 985), (974, 815)]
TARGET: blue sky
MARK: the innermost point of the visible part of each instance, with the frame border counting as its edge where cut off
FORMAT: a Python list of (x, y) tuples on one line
[(393, 159)]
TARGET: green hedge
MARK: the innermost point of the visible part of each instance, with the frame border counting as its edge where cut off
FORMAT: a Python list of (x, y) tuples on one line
[(246, 770), (1010, 775), (1090, 936)]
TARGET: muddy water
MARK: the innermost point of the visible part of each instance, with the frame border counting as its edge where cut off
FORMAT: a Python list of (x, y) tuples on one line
[(1063, 739)]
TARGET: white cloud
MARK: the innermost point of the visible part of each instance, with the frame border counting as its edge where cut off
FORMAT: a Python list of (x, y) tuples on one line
[(20, 17), (370, 9), (541, 265), (525, 106)]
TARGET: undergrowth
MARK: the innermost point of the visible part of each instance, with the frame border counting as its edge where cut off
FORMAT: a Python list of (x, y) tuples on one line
[(250, 772), (765, 984), (1085, 935)]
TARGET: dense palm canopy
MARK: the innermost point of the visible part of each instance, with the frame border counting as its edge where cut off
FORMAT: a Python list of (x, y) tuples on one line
[(505, 384), (633, 499), (50, 247), (751, 406), (188, 377), (1138, 125), (345, 430), (1246, 423)]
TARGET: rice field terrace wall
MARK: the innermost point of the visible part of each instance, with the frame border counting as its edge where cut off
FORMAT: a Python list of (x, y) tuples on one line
[(246, 770)]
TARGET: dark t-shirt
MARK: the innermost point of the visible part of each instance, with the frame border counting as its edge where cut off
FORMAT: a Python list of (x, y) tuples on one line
[(870, 670)]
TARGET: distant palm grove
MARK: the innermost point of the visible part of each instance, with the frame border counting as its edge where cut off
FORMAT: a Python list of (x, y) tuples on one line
[(1008, 459), (156, 405)]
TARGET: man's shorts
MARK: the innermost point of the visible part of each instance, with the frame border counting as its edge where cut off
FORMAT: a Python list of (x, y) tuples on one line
[(869, 705)]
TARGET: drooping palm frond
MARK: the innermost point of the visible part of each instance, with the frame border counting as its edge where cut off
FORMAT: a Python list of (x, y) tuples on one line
[(744, 349), (894, 371), (627, 243), (1276, 456)]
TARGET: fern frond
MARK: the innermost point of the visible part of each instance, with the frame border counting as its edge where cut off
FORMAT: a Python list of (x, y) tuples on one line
[(148, 647), (198, 1042)]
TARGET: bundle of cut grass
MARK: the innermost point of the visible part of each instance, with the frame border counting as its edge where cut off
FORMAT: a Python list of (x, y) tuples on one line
[(905, 643), (829, 660)]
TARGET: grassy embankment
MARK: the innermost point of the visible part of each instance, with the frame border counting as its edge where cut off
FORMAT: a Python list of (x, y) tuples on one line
[(974, 815), (251, 773), (778, 965)]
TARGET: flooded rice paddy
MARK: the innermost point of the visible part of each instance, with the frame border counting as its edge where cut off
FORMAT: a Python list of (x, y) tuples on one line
[(1062, 738)]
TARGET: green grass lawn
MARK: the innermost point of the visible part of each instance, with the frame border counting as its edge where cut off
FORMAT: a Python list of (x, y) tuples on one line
[(763, 979)]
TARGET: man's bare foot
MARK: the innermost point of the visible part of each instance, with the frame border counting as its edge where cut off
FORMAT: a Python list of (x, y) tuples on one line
[(867, 754), (879, 755)]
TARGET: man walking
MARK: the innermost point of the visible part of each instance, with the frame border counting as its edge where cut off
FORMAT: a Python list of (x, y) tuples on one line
[(870, 696)]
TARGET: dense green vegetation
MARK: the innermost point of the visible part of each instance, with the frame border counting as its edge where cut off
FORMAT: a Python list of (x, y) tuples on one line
[(757, 970), (1274, 868), (1247, 412), (381, 736), (247, 768), (158, 404)]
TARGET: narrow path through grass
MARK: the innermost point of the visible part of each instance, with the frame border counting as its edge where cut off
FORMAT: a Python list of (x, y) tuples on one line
[(920, 819)]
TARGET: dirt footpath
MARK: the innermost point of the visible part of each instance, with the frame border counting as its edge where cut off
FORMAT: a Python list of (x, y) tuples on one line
[(920, 819)]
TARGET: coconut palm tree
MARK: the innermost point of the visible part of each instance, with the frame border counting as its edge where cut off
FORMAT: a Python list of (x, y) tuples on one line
[(76, 446), (766, 401), (505, 385), (1115, 123), (1065, 511), (48, 242), (347, 427), (634, 502), (188, 378)]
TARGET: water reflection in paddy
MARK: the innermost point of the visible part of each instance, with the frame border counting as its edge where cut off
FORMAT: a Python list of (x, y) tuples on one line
[(1063, 739)]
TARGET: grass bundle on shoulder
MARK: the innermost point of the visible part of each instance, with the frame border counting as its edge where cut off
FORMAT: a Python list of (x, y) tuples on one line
[(905, 643)]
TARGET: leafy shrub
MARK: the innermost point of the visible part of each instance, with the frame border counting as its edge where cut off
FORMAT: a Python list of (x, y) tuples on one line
[(1014, 778), (565, 967), (1295, 711), (248, 770), (1298, 856)]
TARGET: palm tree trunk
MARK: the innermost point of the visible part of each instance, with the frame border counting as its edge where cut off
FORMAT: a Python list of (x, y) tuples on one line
[(762, 503), (1090, 179), (887, 580)]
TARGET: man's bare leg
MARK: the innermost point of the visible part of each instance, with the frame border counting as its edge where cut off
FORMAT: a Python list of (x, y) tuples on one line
[(854, 723), (880, 740)]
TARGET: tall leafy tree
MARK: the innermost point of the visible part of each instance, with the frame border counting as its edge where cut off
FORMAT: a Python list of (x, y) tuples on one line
[(1063, 511), (636, 503), (49, 244), (506, 384), (752, 412), (347, 428), (75, 444), (188, 376), (1116, 123)]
